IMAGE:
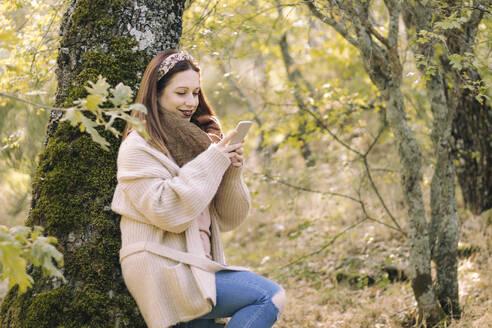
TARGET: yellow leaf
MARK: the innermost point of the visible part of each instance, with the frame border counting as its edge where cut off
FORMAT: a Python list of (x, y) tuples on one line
[(93, 101)]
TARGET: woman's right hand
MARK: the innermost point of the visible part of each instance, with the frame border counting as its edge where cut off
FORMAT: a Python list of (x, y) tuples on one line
[(230, 150)]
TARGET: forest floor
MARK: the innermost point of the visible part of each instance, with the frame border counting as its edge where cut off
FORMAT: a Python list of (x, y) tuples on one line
[(347, 280), (338, 273)]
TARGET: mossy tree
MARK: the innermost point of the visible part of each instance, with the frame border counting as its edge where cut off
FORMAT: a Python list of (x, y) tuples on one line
[(75, 178)]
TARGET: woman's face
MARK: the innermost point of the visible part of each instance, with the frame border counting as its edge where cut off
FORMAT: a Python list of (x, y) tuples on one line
[(181, 93)]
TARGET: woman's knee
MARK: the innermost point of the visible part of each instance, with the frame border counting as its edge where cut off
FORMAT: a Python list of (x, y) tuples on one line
[(280, 300)]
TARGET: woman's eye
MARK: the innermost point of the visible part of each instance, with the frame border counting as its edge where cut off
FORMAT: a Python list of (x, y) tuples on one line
[(181, 93), (196, 93)]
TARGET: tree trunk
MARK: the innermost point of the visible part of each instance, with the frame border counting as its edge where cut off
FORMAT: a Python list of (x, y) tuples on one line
[(445, 227), (461, 130), (467, 136), (418, 230), (75, 179)]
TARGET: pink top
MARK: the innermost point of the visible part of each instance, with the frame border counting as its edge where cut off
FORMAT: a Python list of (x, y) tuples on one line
[(204, 226)]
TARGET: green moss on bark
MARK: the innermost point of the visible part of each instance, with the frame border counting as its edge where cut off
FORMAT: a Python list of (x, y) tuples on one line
[(119, 64)]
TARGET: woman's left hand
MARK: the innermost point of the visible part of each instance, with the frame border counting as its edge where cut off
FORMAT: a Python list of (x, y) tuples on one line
[(238, 159)]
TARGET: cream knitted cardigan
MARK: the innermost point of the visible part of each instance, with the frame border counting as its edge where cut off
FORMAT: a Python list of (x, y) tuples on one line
[(162, 258)]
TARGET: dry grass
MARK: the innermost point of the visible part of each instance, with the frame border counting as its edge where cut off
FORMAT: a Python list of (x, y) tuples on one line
[(287, 223)]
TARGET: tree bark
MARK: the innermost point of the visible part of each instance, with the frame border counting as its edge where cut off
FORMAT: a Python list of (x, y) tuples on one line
[(418, 230), (445, 227), (382, 63), (75, 179)]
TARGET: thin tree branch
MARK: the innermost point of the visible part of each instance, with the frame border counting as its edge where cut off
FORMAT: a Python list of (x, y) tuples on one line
[(241, 93), (290, 185), (323, 247), (394, 15), (375, 141), (14, 97), (365, 161), (364, 210), (367, 25), (329, 193), (329, 21), (322, 125), (294, 76), (43, 37), (376, 190)]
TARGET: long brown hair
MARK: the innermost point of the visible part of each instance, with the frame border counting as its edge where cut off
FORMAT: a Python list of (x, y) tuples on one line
[(149, 89)]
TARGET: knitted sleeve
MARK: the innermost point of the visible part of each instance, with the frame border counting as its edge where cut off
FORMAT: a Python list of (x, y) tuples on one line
[(170, 203), (232, 201)]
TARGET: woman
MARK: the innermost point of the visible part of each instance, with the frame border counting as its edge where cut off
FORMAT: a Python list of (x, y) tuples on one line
[(175, 193)]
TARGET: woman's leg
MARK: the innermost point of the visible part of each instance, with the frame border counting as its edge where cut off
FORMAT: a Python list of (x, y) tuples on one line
[(252, 301)]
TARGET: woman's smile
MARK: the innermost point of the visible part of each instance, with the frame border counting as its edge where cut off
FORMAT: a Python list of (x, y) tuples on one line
[(186, 113)]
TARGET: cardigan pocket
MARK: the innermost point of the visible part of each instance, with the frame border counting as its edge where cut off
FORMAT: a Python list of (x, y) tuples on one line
[(163, 289), (181, 284)]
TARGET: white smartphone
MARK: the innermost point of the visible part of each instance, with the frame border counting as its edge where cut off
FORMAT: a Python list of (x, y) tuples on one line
[(242, 129)]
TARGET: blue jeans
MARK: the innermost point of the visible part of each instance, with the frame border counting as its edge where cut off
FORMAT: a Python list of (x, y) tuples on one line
[(252, 301)]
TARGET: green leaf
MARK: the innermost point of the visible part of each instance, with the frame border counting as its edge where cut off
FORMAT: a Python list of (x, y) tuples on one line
[(456, 61), (72, 115), (138, 107), (43, 254), (96, 137), (99, 88), (122, 95), (14, 266), (93, 101)]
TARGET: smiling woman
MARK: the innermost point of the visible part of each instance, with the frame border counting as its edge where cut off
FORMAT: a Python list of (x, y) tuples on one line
[(176, 192)]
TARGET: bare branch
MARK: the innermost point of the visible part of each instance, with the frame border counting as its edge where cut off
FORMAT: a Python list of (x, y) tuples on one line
[(52, 20), (375, 141), (241, 93), (394, 15), (329, 21), (322, 125), (330, 242), (14, 97), (376, 190), (288, 62), (330, 193), (476, 15), (364, 210), (290, 185), (367, 25)]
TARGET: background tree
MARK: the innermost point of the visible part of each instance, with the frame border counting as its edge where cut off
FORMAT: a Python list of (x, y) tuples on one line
[(382, 62), (75, 178), (444, 37)]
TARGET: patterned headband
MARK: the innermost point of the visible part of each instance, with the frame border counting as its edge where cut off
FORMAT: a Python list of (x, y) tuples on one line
[(171, 60)]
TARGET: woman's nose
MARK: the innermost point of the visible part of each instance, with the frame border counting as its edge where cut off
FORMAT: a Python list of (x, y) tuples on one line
[(191, 100)]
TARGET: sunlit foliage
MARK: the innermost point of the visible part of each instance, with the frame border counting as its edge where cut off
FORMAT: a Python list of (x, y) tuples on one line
[(28, 50)]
